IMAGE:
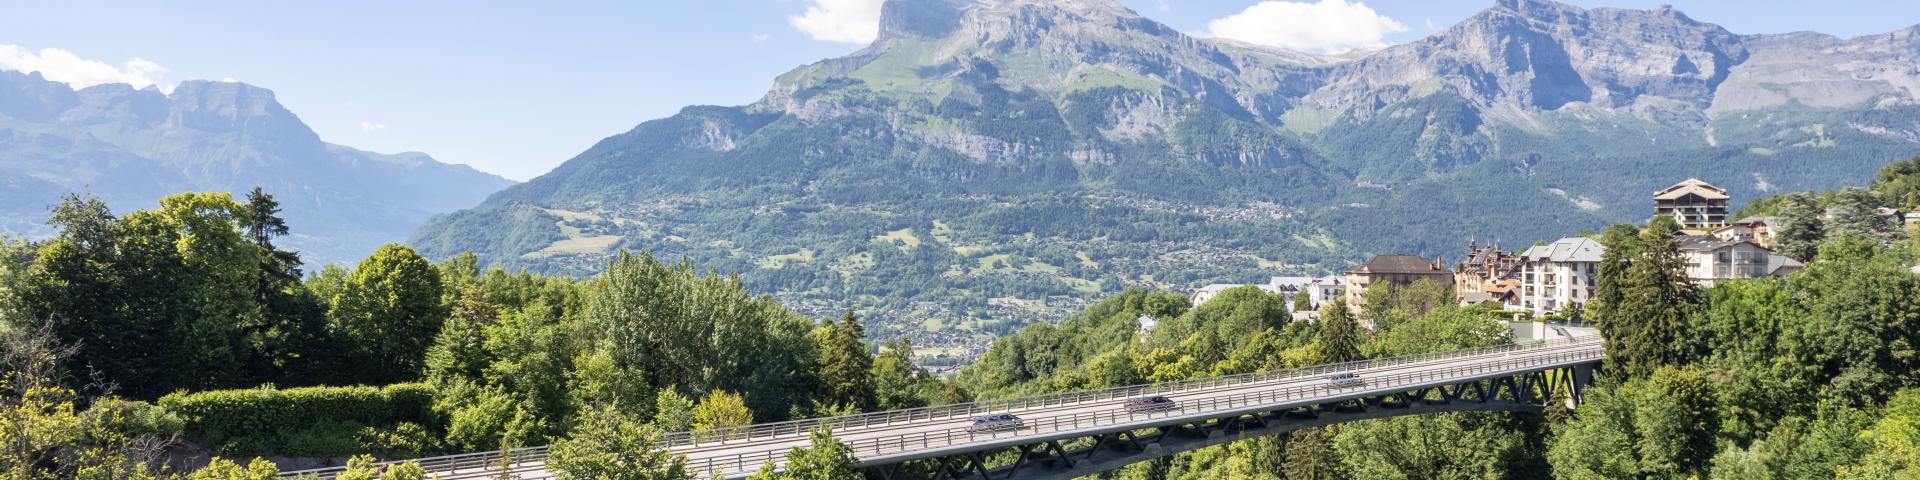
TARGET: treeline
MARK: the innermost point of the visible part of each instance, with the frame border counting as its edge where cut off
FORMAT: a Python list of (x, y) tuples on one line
[(190, 306)]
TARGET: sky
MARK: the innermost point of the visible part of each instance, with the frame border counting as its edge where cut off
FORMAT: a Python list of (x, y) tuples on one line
[(516, 88)]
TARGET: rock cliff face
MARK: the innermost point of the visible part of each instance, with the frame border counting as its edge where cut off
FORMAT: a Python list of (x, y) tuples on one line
[(1120, 152), (130, 147)]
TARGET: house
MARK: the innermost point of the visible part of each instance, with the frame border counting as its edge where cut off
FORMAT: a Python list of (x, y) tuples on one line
[(1696, 204), (1147, 324), (1486, 273), (1758, 229), (1286, 286), (1325, 289), (1556, 276), (1710, 259), (1391, 269)]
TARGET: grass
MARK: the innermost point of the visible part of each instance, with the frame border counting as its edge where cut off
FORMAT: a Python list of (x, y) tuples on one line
[(781, 261), (580, 245), (904, 235)]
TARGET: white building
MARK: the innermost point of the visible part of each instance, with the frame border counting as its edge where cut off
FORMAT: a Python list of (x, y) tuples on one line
[(1325, 289), (1557, 275), (1286, 286), (1710, 259)]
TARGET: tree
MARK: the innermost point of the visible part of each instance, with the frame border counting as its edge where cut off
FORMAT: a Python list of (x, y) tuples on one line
[(721, 409), (896, 381), (1339, 335), (1302, 302), (825, 458), (223, 469), (1654, 307), (673, 412), (607, 445), (1856, 211), (1659, 426), (389, 313), (1621, 244), (846, 367), (460, 350), (1311, 454), (1798, 228), (1898, 184), (1896, 442)]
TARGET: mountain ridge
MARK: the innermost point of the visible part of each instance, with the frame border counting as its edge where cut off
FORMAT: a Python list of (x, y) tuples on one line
[(131, 146), (983, 161)]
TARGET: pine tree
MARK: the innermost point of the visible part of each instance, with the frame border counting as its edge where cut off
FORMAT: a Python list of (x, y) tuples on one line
[(1656, 302), (846, 366), (1856, 211), (1339, 335), (1302, 302), (1622, 244), (1798, 228), (1311, 456)]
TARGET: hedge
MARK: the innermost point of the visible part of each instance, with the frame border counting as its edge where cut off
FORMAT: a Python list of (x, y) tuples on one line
[(309, 421)]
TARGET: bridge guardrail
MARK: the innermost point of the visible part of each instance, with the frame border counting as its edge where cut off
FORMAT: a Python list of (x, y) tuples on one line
[(798, 428), (964, 410), (873, 447)]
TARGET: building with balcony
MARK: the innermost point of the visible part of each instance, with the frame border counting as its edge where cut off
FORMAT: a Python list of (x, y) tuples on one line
[(1711, 259), (1696, 204), (1487, 273), (1391, 269), (1556, 276)]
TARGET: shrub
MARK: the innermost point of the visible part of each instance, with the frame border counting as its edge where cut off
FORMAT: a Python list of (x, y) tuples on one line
[(311, 421)]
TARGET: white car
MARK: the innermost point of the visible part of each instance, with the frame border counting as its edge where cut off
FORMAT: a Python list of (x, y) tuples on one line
[(1345, 380)]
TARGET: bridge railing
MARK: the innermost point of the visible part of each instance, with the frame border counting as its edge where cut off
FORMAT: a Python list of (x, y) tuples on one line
[(920, 441), (762, 432), (796, 428)]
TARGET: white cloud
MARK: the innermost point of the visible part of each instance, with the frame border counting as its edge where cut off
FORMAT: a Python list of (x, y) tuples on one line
[(1164, 7), (842, 21), (760, 37), (1430, 26), (369, 126), (229, 80), (63, 66), (1329, 26)]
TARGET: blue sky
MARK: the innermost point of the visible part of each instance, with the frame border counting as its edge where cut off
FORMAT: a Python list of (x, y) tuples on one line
[(516, 88)]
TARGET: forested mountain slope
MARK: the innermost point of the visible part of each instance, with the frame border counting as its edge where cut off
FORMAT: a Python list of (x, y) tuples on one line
[(130, 147), (1008, 159)]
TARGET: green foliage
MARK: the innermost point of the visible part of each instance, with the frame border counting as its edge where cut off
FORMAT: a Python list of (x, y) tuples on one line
[(825, 458), (388, 312), (224, 469), (1896, 442), (1646, 326), (168, 298), (1898, 184), (846, 367), (309, 421), (1339, 336), (721, 409), (608, 445), (1311, 455), (1447, 445), (671, 326), (673, 411), (1662, 426), (1800, 226)]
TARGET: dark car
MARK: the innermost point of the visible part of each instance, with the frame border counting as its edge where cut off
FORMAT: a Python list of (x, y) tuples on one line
[(989, 423), (1151, 404)]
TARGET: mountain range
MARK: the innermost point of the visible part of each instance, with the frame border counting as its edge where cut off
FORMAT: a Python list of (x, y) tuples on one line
[(130, 147), (984, 163)]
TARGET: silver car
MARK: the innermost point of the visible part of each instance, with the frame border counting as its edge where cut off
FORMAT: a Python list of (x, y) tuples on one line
[(1345, 380), (996, 422)]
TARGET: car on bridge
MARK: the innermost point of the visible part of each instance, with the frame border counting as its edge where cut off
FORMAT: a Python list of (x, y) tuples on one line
[(1345, 380), (1154, 403), (996, 422)]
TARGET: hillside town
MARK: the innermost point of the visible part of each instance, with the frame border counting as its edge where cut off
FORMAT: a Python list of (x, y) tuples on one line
[(1556, 278)]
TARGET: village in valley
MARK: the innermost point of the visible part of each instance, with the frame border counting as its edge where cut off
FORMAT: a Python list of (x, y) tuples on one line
[(1554, 280)]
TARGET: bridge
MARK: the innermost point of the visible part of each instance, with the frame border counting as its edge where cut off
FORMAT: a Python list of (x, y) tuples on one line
[(1074, 434)]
